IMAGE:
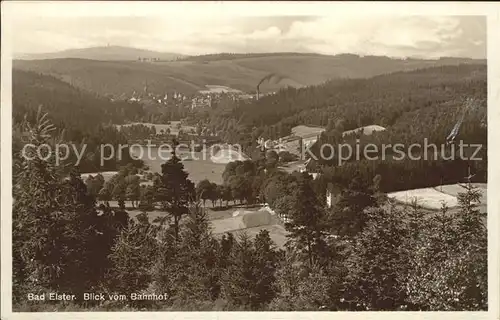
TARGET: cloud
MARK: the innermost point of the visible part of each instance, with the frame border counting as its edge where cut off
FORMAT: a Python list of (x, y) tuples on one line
[(393, 36), (397, 36), (267, 34)]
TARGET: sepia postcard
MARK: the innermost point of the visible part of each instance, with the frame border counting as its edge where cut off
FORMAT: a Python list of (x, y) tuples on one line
[(296, 159)]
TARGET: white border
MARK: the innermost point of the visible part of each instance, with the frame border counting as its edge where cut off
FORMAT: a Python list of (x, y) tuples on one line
[(27, 9), (493, 204)]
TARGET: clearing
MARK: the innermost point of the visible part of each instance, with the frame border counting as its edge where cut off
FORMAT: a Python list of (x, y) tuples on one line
[(224, 156), (367, 130), (307, 131), (236, 220), (218, 89), (433, 197)]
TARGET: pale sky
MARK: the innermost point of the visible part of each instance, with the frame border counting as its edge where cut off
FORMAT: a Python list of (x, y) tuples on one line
[(395, 36)]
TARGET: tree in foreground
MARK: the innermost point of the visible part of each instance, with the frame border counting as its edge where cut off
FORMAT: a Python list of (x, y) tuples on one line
[(375, 263), (55, 225), (248, 282), (449, 267), (305, 217), (348, 216), (197, 257), (301, 288), (174, 190)]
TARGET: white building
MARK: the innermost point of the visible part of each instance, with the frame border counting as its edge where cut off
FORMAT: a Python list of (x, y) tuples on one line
[(328, 199), (201, 103)]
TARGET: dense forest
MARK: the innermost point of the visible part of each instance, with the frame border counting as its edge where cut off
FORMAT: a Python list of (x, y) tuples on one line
[(413, 106), (386, 100), (79, 117), (363, 253)]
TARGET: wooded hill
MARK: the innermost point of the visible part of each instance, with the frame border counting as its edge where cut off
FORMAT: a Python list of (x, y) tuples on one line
[(108, 53), (241, 72), (413, 106), (79, 116), (391, 100)]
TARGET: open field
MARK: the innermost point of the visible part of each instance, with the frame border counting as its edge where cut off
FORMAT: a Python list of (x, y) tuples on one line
[(367, 130), (433, 197), (304, 131), (428, 198), (225, 156), (235, 220), (251, 221), (199, 165), (455, 189), (218, 89)]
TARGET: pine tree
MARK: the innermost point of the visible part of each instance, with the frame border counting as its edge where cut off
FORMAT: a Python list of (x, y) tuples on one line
[(300, 287), (174, 190), (198, 257), (266, 260), (348, 217), (248, 281), (471, 224), (54, 222), (449, 264), (132, 256), (375, 263), (238, 280), (166, 271), (305, 218)]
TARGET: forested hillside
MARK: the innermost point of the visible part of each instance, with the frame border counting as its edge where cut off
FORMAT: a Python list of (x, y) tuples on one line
[(384, 100), (412, 106), (79, 116), (241, 72), (67, 104)]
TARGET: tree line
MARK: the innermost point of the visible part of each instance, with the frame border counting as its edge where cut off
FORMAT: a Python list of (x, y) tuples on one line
[(73, 113)]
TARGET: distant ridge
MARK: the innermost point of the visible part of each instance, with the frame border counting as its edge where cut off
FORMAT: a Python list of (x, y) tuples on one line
[(233, 56), (106, 53), (344, 56), (238, 71)]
